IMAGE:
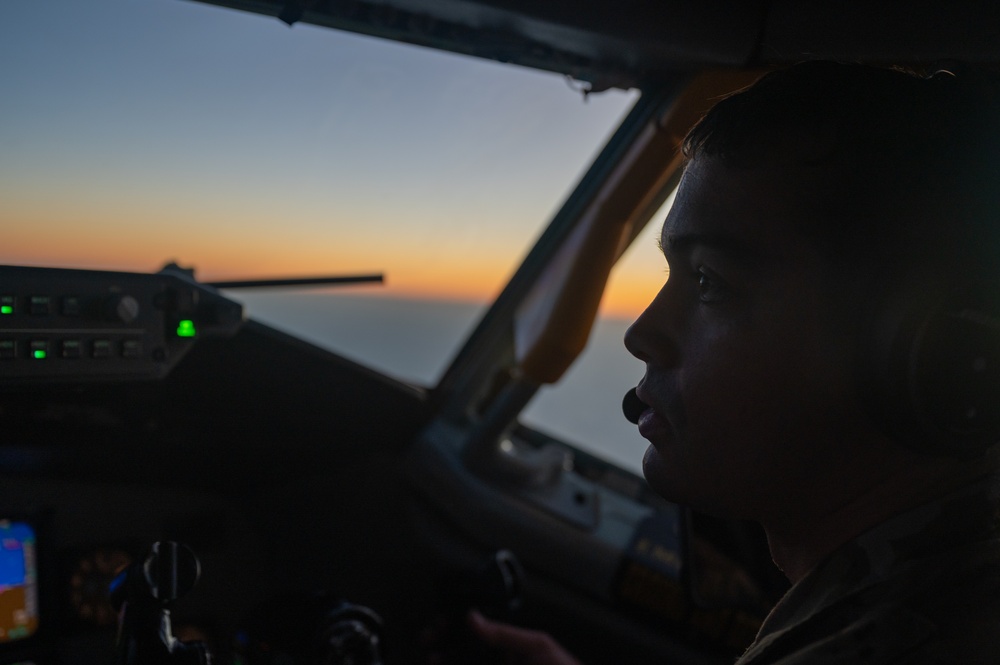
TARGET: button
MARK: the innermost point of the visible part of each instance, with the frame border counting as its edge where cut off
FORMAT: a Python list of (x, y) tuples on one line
[(132, 348), (8, 305), (185, 300), (185, 328), (72, 348), (38, 349), (71, 306), (40, 305), (101, 348), (8, 348)]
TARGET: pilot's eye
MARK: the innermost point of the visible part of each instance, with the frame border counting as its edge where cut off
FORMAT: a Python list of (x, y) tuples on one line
[(710, 288)]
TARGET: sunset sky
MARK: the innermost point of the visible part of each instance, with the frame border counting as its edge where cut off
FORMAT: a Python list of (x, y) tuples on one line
[(135, 132)]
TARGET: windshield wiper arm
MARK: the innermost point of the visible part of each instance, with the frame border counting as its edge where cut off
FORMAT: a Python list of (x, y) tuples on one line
[(298, 281)]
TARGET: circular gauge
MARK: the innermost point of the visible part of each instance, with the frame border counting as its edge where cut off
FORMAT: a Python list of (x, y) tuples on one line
[(89, 581)]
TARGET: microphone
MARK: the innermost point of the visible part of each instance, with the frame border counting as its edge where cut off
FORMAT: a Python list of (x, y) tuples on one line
[(633, 407)]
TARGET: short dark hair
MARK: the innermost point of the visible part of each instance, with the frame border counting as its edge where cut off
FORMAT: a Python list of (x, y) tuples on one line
[(911, 161)]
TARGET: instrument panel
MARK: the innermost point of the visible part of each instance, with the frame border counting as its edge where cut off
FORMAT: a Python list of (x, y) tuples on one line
[(67, 540), (61, 325), (18, 581)]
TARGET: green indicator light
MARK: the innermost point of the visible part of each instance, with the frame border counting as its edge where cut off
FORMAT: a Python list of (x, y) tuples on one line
[(6, 309), (185, 328), (39, 354)]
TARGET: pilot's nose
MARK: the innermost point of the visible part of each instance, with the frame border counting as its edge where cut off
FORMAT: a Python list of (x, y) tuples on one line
[(651, 338), (632, 340)]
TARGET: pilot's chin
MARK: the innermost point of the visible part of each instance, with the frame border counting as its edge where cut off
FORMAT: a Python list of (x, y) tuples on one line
[(664, 479), (655, 470)]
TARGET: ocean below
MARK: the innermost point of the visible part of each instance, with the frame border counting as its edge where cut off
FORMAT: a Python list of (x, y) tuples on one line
[(414, 340)]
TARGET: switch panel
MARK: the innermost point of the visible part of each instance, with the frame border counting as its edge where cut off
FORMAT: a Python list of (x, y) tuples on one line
[(86, 325)]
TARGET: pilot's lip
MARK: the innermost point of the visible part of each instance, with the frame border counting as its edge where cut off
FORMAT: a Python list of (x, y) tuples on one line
[(653, 424)]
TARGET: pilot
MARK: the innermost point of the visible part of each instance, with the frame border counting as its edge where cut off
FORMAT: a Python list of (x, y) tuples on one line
[(823, 359)]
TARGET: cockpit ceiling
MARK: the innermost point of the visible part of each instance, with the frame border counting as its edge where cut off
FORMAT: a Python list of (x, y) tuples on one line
[(628, 43)]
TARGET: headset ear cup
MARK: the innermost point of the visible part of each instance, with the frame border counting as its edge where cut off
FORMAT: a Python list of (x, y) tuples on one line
[(932, 372)]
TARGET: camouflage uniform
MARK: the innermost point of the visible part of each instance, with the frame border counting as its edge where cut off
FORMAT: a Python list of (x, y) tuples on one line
[(921, 588)]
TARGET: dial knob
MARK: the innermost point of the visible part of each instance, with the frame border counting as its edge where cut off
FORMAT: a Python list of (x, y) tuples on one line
[(121, 308)]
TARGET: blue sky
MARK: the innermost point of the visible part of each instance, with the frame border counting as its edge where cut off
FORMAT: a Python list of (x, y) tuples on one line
[(140, 131)]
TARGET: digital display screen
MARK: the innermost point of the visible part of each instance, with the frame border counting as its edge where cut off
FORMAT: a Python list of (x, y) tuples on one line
[(18, 581)]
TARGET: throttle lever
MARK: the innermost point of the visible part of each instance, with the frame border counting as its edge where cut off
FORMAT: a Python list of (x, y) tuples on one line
[(143, 595)]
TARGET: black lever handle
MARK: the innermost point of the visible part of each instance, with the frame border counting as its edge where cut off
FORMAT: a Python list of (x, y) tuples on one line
[(143, 594)]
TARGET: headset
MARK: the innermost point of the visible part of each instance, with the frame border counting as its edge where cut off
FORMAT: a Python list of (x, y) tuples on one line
[(930, 366)]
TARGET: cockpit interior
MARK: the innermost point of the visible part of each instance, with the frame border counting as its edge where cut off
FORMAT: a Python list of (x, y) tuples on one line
[(165, 452)]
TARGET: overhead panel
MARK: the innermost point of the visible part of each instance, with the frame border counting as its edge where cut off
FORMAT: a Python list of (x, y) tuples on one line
[(882, 32), (624, 44)]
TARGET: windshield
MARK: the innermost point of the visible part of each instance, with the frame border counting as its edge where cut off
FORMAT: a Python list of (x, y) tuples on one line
[(136, 134), (140, 133)]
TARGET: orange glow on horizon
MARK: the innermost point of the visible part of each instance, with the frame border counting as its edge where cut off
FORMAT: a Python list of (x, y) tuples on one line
[(620, 300), (627, 301), (90, 237)]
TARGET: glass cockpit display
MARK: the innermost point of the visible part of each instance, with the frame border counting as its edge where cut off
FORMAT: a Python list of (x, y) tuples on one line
[(18, 581)]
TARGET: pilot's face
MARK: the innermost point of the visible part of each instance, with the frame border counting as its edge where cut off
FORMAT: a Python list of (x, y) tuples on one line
[(748, 357)]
